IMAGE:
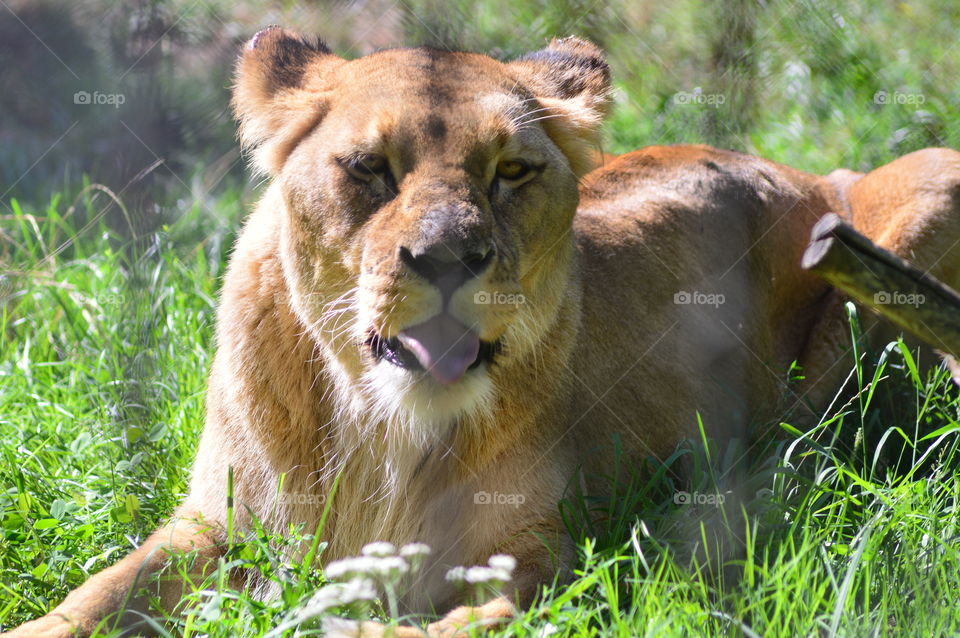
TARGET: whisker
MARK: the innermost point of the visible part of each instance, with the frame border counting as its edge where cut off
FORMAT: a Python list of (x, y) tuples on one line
[(540, 119)]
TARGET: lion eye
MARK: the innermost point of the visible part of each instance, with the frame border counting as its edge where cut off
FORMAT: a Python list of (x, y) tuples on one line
[(512, 169), (367, 165), (373, 170)]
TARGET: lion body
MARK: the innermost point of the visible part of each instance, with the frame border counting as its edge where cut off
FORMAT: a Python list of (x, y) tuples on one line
[(724, 228), (660, 289)]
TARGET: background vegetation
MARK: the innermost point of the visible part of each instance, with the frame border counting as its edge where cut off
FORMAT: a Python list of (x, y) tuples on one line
[(116, 222)]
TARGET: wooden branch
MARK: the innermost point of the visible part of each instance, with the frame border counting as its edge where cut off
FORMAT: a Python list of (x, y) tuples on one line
[(895, 288)]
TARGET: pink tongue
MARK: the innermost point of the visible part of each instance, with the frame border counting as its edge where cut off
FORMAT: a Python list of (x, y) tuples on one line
[(443, 346)]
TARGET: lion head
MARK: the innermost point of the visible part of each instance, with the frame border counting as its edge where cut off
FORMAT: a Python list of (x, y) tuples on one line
[(426, 200)]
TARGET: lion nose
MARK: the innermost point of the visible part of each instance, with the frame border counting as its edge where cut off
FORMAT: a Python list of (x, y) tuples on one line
[(448, 266)]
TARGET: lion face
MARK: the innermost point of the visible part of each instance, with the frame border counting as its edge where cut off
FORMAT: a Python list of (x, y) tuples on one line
[(428, 198)]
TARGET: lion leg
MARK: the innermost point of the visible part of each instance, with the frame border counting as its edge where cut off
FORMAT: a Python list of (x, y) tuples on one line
[(911, 207), (116, 591)]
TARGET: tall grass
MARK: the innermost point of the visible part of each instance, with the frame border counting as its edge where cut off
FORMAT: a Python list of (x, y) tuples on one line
[(847, 528)]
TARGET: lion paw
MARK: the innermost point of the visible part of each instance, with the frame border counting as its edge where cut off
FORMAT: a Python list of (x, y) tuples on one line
[(458, 623), (49, 626), (343, 628), (493, 615)]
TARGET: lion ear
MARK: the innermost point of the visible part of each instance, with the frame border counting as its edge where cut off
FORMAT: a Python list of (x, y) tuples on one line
[(278, 92), (571, 80)]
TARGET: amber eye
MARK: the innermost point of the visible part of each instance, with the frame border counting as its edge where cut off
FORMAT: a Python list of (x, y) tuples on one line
[(512, 169), (371, 169), (367, 164)]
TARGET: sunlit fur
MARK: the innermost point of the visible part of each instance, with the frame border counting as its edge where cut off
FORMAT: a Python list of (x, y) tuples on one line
[(599, 348)]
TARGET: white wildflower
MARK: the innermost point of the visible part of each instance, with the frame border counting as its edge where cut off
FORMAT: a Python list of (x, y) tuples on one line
[(501, 575), (379, 549), (502, 561), (457, 574), (338, 594), (360, 565), (390, 566), (415, 553), (411, 550), (481, 575)]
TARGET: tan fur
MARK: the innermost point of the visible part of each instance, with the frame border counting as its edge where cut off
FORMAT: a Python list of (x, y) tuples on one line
[(598, 346)]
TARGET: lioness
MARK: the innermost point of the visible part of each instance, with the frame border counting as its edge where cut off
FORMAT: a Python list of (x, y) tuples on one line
[(436, 299)]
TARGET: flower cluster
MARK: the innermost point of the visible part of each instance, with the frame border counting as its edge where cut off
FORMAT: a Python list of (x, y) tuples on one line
[(380, 567), (499, 569)]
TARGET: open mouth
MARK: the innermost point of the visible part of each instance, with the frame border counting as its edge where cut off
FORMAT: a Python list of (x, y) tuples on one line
[(442, 346), (394, 352)]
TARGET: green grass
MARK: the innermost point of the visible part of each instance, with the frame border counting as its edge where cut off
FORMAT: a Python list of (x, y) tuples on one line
[(850, 528), (101, 394)]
